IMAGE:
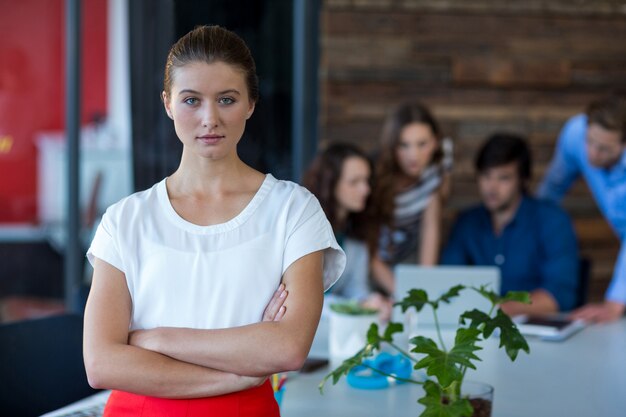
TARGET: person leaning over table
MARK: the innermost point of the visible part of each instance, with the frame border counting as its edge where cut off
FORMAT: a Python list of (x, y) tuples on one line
[(410, 185), (593, 146), (184, 270), (531, 241)]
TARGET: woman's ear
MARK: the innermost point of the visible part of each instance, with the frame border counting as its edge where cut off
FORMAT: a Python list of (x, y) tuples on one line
[(166, 104), (250, 109)]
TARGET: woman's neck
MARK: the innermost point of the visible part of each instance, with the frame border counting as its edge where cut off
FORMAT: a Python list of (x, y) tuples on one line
[(405, 181), (197, 176)]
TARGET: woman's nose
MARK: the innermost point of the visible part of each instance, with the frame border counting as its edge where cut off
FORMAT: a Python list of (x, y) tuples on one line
[(209, 116), (415, 152)]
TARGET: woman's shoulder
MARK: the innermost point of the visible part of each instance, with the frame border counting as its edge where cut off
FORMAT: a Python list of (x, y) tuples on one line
[(432, 172), (292, 201), (289, 191), (427, 184), (139, 200)]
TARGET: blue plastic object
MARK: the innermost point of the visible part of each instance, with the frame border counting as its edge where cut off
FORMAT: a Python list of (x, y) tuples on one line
[(278, 395), (363, 377)]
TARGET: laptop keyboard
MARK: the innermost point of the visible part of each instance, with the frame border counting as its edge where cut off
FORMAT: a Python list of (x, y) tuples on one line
[(92, 406)]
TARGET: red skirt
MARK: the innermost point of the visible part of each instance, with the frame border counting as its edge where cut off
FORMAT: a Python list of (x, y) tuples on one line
[(254, 402)]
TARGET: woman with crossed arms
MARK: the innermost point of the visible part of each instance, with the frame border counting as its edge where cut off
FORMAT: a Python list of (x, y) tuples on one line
[(183, 271)]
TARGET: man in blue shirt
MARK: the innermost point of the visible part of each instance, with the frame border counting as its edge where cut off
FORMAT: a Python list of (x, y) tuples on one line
[(532, 241), (593, 145)]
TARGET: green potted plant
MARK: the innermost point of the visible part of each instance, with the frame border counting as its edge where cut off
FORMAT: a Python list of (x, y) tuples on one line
[(445, 368), (349, 322)]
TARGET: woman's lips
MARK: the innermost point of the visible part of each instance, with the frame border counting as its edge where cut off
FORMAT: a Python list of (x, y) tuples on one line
[(210, 139)]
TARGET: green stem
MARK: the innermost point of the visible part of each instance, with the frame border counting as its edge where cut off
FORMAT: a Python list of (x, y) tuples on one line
[(443, 346), (480, 327), (454, 391), (403, 352), (397, 378)]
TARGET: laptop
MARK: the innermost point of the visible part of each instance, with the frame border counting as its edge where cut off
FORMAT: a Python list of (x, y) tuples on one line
[(437, 280)]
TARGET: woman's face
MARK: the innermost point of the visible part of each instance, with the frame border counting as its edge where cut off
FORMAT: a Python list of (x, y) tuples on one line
[(353, 186), (415, 148), (209, 104)]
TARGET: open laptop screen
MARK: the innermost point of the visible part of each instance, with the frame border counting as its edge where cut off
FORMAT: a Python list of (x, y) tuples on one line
[(437, 280)]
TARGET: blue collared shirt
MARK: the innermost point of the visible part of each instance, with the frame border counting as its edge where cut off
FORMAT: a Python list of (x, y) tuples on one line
[(537, 249), (608, 187)]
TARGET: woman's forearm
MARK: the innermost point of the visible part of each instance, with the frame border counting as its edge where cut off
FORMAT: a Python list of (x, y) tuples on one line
[(256, 349), (112, 363), (383, 275), (140, 371), (430, 233)]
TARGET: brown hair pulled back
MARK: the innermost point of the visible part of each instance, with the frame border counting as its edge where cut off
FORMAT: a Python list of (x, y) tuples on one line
[(211, 44)]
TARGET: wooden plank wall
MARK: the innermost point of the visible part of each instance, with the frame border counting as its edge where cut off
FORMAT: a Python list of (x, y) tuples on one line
[(482, 66)]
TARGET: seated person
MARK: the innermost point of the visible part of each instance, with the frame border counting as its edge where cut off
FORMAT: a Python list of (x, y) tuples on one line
[(340, 178), (531, 241)]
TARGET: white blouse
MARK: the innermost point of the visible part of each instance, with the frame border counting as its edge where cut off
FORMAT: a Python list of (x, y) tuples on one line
[(180, 274)]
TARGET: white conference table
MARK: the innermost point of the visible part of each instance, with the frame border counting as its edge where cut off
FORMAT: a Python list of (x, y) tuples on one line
[(584, 376)]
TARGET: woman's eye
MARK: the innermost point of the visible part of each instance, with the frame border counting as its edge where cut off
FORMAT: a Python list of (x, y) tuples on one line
[(425, 144), (226, 100), (191, 101)]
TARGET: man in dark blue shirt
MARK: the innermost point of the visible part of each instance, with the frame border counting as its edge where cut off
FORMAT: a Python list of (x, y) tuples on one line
[(531, 241)]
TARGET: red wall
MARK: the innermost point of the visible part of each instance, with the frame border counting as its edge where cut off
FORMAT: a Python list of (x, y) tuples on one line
[(32, 89)]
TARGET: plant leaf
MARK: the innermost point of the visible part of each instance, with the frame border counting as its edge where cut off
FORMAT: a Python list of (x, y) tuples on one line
[(488, 294), (476, 318), (352, 308), (510, 336), (435, 407), (416, 299), (519, 296), (374, 339), (390, 330), (446, 366), (450, 294), (465, 343), (347, 365)]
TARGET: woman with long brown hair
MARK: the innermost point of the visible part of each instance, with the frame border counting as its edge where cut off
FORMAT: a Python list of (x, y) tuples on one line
[(408, 193), (340, 177)]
